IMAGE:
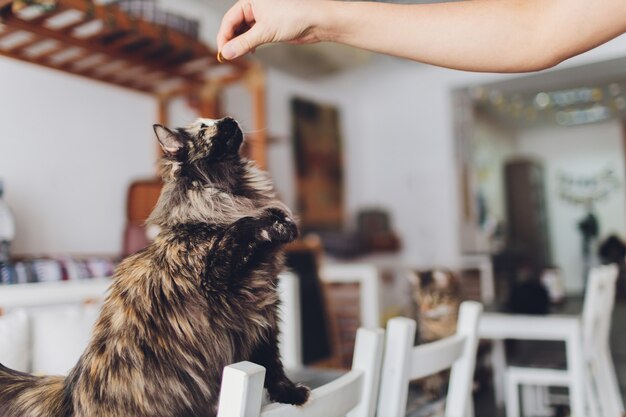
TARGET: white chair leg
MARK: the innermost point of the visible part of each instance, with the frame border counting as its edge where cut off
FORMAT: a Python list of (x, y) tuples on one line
[(576, 367), (542, 401), (512, 396), (607, 373), (469, 410), (498, 365), (528, 397), (593, 409)]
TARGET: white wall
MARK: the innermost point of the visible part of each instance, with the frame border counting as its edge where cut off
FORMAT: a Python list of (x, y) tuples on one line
[(68, 150), (580, 152), (397, 121)]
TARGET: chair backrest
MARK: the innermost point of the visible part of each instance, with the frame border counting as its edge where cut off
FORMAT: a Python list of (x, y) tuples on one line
[(353, 394), (598, 307), (604, 394), (404, 362), (368, 278)]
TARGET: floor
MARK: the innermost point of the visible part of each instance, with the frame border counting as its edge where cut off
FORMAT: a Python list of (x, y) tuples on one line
[(485, 406)]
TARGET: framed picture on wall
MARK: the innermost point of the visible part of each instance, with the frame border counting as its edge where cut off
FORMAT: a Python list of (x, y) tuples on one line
[(319, 165)]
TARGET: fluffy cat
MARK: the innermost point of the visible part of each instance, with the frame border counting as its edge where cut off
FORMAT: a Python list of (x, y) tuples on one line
[(437, 295), (200, 297)]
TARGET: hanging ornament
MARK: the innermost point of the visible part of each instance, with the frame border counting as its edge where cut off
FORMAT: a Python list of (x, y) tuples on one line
[(587, 189)]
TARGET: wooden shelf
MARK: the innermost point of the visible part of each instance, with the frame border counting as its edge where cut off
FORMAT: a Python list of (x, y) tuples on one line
[(103, 43)]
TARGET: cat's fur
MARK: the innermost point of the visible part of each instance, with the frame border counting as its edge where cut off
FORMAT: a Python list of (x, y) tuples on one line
[(202, 296)]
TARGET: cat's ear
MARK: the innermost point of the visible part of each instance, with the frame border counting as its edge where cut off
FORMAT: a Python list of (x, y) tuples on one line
[(168, 139), (442, 278), (414, 278)]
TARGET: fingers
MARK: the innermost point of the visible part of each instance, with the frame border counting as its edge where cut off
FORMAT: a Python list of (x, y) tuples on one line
[(231, 22), (244, 43)]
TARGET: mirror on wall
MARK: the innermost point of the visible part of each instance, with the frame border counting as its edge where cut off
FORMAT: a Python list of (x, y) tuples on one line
[(542, 173)]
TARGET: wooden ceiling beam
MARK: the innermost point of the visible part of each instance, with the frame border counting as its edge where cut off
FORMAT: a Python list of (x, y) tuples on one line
[(68, 69), (47, 15), (21, 46), (162, 51), (72, 41)]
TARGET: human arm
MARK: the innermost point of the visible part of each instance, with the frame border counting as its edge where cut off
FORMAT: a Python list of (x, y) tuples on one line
[(479, 35)]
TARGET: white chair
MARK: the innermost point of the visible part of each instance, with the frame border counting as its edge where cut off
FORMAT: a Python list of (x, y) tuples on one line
[(353, 394), (368, 278), (404, 362), (290, 336), (602, 396)]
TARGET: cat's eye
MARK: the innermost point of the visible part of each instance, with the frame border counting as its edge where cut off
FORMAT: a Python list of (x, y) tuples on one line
[(203, 126)]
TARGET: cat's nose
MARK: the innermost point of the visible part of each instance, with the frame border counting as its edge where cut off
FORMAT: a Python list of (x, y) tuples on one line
[(228, 126), (229, 130)]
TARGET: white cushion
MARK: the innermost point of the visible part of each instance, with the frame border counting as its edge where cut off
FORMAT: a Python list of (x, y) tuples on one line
[(59, 337), (14, 340)]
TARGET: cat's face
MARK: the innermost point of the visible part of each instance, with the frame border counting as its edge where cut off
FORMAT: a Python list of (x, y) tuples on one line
[(206, 140), (434, 288), (204, 155)]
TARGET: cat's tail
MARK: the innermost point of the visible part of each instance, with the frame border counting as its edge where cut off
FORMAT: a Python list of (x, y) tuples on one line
[(23, 394)]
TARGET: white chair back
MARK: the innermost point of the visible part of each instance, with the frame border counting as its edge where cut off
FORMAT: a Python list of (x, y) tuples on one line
[(598, 307), (404, 362), (368, 278), (603, 394), (353, 394)]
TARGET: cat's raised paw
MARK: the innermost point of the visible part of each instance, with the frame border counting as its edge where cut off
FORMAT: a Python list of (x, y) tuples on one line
[(281, 227), (295, 394)]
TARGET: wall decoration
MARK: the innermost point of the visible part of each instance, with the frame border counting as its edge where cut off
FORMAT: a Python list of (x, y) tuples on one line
[(319, 165), (585, 190)]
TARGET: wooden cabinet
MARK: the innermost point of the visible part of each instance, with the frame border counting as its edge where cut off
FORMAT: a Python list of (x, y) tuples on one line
[(527, 212)]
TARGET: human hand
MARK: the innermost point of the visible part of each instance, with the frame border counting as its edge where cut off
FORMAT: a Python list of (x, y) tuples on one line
[(251, 23)]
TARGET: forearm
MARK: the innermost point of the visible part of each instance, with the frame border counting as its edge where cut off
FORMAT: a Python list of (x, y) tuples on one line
[(479, 35)]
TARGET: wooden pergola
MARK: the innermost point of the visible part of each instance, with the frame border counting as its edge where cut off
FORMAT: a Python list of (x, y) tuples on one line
[(103, 43)]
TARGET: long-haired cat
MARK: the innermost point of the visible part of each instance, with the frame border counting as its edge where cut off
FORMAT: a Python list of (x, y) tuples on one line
[(437, 295), (202, 296)]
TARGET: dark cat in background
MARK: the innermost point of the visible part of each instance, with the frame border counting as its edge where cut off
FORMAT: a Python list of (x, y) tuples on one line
[(200, 297)]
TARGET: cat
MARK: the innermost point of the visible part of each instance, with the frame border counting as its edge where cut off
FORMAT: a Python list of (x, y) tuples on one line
[(200, 297), (436, 294)]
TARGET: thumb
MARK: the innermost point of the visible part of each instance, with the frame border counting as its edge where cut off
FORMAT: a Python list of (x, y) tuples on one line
[(244, 43)]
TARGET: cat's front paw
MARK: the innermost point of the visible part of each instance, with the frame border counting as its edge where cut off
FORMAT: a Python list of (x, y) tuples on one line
[(289, 393), (280, 228)]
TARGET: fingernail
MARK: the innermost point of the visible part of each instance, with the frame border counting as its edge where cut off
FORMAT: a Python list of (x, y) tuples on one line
[(228, 52)]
